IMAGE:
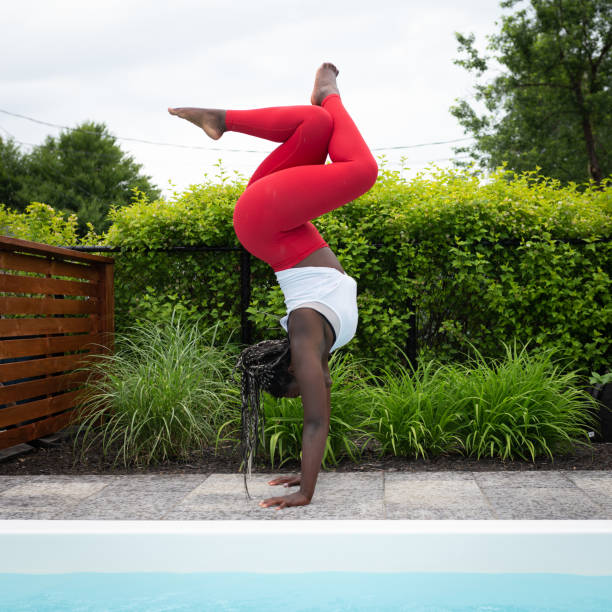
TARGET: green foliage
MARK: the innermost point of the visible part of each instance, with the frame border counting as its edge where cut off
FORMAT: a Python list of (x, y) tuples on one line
[(600, 379), (551, 103), (12, 172), (40, 223), (284, 418), (433, 260), (81, 171), (159, 396), (168, 392), (464, 290), (204, 283), (521, 405), (411, 413)]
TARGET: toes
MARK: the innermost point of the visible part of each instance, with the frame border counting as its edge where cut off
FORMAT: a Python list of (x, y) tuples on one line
[(331, 67)]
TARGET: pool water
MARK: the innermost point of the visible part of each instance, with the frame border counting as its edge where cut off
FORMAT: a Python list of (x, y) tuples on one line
[(320, 591)]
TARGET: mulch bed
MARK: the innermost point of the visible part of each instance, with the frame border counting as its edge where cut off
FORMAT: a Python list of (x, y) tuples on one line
[(59, 459)]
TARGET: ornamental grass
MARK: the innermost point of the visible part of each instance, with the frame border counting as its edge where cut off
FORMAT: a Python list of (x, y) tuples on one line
[(161, 396), (523, 405)]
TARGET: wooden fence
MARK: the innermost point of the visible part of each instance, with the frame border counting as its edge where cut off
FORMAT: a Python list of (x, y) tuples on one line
[(48, 332)]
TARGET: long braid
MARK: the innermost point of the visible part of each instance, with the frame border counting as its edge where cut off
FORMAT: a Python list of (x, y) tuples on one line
[(257, 365)]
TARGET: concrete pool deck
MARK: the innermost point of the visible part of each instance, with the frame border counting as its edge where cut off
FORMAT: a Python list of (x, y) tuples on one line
[(528, 495)]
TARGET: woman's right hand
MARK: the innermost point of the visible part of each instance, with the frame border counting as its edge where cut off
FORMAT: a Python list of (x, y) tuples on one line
[(287, 481)]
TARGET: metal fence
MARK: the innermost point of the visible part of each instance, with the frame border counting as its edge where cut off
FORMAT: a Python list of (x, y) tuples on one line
[(246, 333), (411, 342), (245, 273)]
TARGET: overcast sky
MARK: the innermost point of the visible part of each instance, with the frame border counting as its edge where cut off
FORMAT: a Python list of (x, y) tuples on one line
[(123, 62)]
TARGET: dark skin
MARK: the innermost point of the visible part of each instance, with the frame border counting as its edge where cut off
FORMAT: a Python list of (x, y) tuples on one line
[(311, 338)]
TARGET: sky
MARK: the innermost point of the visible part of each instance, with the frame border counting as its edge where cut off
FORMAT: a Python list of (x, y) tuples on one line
[(123, 62)]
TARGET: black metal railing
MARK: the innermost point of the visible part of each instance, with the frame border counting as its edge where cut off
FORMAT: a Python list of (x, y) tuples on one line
[(411, 344)]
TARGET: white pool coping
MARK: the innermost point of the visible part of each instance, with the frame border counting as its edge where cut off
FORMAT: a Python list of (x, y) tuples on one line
[(478, 546)]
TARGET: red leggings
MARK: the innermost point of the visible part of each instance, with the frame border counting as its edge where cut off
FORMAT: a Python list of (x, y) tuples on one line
[(293, 185)]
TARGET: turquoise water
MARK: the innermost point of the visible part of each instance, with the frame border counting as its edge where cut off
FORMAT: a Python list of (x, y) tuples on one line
[(337, 591)]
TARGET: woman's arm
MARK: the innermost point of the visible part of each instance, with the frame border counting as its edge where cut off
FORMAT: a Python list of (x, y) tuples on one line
[(307, 347), (311, 380)]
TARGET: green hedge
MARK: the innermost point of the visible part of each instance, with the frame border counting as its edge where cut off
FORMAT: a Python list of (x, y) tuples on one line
[(431, 231)]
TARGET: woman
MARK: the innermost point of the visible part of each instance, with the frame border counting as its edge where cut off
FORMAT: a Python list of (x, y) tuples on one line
[(272, 220)]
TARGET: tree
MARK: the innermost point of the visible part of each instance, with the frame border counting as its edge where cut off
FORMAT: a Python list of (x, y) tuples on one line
[(12, 174), (552, 105), (83, 171)]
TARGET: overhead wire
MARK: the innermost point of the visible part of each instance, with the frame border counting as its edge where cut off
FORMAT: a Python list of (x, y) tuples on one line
[(182, 146)]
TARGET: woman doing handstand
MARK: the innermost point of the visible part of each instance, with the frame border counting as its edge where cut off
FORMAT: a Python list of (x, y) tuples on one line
[(272, 220)]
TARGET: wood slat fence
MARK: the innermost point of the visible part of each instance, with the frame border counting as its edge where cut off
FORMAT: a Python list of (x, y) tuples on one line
[(48, 329)]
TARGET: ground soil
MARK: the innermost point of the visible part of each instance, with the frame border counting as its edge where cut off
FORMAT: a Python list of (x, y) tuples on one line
[(60, 459)]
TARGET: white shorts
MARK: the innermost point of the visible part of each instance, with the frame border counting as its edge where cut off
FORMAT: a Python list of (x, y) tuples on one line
[(325, 290)]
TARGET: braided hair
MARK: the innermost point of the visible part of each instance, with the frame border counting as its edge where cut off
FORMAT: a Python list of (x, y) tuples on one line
[(263, 367)]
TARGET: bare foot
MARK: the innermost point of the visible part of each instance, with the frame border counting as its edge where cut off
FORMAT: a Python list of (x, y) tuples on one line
[(325, 83), (211, 120)]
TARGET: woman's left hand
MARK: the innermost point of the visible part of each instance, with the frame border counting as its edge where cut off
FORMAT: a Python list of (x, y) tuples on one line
[(295, 499)]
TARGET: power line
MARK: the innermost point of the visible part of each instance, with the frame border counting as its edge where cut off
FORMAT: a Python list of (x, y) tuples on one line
[(10, 135), (424, 144), (181, 146), (431, 161), (151, 142), (88, 153), (419, 162)]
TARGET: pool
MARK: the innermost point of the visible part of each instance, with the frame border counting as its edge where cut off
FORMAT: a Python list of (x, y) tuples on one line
[(306, 565)]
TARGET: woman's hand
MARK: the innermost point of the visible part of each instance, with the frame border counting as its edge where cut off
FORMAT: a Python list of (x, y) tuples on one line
[(295, 499), (287, 481)]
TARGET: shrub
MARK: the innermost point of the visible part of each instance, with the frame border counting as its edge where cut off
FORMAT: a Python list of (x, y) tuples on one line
[(162, 395), (284, 418), (519, 406), (428, 246), (522, 405)]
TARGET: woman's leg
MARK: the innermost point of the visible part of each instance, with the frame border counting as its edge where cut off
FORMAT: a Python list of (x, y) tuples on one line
[(303, 130), (272, 216), (299, 194), (293, 185)]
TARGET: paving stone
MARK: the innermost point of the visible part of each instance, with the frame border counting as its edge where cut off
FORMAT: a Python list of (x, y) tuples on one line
[(395, 511), (50, 441), (59, 478), (136, 497), (223, 492), (431, 495), (448, 495), (592, 474), (562, 495), (231, 486), (541, 495), (596, 485), (337, 496), (50, 492), (533, 503), (309, 512), (6, 482), (544, 479), (370, 486), (313, 511), (429, 476), (221, 515), (23, 514)]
